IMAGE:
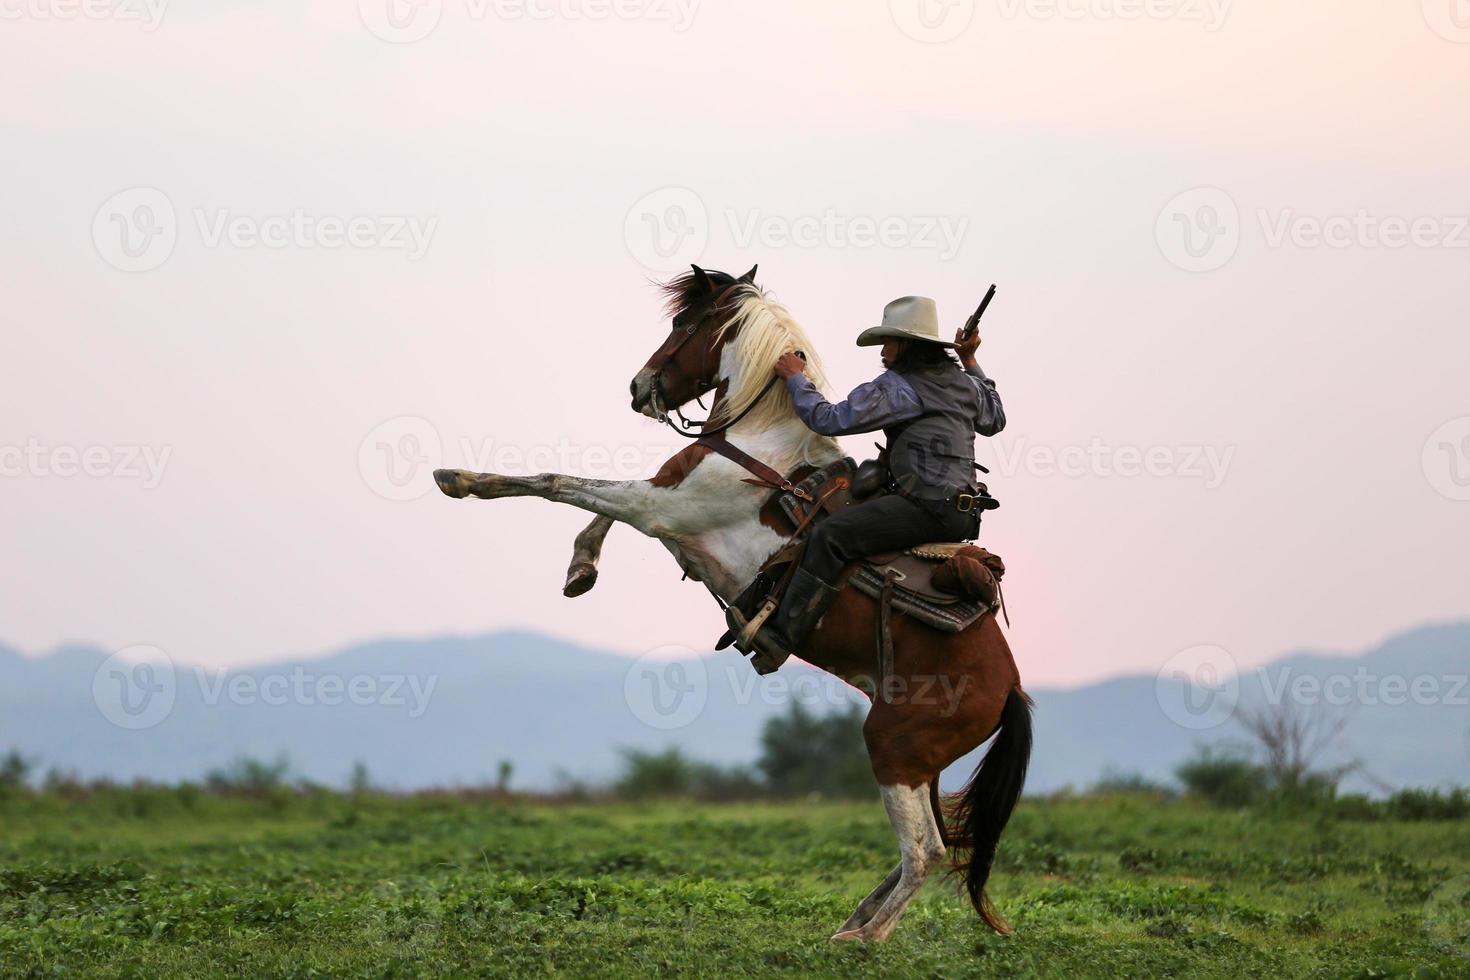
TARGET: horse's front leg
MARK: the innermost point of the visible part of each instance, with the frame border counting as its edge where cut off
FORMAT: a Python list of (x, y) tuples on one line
[(586, 551), (634, 502)]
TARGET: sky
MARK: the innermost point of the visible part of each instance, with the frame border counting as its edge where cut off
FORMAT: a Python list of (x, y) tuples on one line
[(266, 264)]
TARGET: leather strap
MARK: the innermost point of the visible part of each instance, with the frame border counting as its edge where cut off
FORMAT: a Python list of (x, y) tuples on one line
[(885, 635), (768, 477)]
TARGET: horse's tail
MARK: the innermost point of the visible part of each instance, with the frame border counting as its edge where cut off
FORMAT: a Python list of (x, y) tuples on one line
[(983, 807)]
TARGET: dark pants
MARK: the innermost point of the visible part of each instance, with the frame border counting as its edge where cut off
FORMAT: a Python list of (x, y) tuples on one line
[(884, 524)]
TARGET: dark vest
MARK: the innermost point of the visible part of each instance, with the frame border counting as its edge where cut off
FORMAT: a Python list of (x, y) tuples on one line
[(933, 455)]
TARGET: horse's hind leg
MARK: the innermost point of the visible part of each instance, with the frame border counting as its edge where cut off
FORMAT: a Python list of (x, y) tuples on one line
[(586, 551), (922, 849), (871, 904)]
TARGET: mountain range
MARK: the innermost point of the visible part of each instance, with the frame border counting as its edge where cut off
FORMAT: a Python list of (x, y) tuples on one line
[(446, 711)]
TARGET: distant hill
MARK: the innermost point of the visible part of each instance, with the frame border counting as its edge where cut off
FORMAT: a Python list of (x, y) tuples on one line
[(444, 711)]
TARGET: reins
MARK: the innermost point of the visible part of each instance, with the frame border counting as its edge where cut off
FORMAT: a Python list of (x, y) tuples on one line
[(715, 438)]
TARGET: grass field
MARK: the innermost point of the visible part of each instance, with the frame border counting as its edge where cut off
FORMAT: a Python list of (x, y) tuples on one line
[(172, 883)]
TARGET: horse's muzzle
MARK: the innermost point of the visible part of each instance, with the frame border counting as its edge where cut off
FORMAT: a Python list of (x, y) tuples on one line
[(641, 388)]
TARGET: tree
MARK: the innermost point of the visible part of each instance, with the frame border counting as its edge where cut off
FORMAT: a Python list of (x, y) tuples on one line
[(803, 752), (1293, 737)]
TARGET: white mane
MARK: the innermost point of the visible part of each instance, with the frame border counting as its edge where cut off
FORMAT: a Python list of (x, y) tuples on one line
[(765, 330)]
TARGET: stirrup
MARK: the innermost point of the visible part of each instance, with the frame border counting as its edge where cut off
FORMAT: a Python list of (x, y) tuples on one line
[(763, 657)]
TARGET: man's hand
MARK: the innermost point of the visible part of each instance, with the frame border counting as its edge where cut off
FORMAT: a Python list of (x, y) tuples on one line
[(966, 346), (790, 364)]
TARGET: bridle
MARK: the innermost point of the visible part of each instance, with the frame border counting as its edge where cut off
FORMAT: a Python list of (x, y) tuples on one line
[(714, 439), (657, 389)]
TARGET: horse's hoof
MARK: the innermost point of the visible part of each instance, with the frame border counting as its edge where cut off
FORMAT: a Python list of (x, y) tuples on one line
[(580, 580), (452, 483), (850, 936)]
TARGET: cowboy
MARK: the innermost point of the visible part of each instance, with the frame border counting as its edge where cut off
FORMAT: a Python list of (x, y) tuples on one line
[(929, 407)]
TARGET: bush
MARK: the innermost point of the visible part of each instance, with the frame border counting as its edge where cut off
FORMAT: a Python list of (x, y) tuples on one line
[(249, 777), (1421, 804), (648, 775), (804, 753), (15, 772), (1118, 783), (1224, 778)]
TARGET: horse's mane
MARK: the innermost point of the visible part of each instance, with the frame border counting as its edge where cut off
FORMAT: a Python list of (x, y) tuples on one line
[(764, 330)]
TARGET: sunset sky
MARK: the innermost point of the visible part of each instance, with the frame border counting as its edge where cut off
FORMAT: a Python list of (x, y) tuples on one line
[(249, 245)]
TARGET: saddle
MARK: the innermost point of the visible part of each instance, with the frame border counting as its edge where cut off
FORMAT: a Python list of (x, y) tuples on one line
[(929, 583)]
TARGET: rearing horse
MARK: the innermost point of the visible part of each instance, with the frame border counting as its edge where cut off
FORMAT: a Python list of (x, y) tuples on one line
[(726, 337)]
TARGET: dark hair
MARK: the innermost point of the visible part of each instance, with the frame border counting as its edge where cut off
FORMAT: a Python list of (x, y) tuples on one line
[(920, 354)]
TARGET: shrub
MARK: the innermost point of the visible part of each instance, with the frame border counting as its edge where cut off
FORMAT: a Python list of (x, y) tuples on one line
[(1119, 783), (1223, 778), (1421, 804), (249, 777), (805, 753)]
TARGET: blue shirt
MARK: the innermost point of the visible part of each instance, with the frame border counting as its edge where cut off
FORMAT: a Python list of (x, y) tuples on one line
[(886, 400)]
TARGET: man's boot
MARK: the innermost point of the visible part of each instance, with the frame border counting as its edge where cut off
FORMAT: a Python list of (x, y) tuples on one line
[(806, 599)]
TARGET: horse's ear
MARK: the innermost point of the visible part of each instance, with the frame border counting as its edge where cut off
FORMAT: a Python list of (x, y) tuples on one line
[(750, 276), (701, 278)]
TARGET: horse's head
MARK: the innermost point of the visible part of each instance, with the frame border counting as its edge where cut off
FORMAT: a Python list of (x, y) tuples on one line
[(687, 364)]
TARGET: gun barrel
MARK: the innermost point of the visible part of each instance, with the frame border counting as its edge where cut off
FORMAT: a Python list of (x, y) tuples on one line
[(974, 321)]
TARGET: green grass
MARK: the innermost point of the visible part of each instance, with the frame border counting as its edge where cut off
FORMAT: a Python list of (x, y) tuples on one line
[(171, 883)]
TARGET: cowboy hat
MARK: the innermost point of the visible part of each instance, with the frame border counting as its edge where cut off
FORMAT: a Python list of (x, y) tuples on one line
[(909, 318)]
